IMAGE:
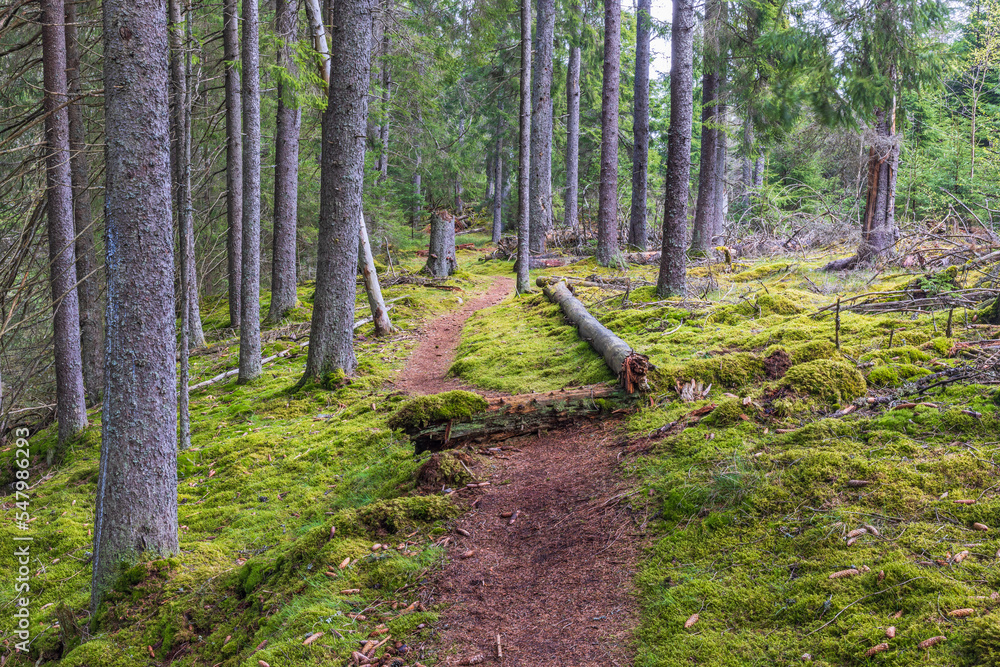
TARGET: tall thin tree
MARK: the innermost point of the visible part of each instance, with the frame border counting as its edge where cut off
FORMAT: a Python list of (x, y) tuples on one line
[(607, 195), (637, 234), (524, 154), (673, 265), (71, 410), (286, 166), (331, 347), (136, 512), (573, 119), (707, 213), (540, 181), (234, 158), (250, 278), (88, 280)]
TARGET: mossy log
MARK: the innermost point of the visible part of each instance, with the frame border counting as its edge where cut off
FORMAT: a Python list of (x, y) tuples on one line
[(631, 368), (515, 416), (550, 262), (652, 257)]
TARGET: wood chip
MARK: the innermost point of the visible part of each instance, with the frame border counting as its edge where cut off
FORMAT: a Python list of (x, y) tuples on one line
[(878, 648), (890, 632), (965, 501), (691, 620), (980, 526), (961, 613), (311, 638), (844, 573), (927, 643)]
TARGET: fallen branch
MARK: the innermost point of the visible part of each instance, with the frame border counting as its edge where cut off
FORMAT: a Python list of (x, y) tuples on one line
[(631, 368)]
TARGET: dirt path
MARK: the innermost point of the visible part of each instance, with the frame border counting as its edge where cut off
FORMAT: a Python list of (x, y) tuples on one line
[(556, 584), (426, 368)]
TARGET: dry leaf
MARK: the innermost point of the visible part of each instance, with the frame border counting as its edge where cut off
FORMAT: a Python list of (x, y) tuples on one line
[(927, 643), (691, 621), (961, 613), (878, 648), (890, 632), (844, 573), (311, 638)]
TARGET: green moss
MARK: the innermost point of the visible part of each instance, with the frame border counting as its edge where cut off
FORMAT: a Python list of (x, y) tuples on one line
[(399, 513), (728, 412), (884, 376), (444, 469), (105, 653), (833, 381), (423, 410), (813, 350), (728, 370), (942, 346)]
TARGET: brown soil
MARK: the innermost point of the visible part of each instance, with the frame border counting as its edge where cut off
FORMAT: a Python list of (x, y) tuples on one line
[(556, 585), (777, 364), (426, 369), (556, 582)]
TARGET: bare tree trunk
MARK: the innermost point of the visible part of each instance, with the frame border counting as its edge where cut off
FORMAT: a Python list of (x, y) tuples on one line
[(459, 204), (441, 260), (380, 314), (747, 164), (498, 191), (234, 160), (71, 409), (315, 16), (722, 147), (706, 213), (386, 97), (343, 160), (637, 237), (91, 319), (607, 199), (524, 154), (671, 279), (136, 513), (196, 334), (286, 169), (250, 285), (573, 121), (540, 179), (180, 160)]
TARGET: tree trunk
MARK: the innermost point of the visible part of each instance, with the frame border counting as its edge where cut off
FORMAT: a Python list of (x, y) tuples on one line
[(386, 98), (671, 279), (180, 160), (315, 16), (250, 285), (441, 261), (234, 160), (88, 287), (459, 204), (343, 162), (380, 314), (498, 192), (71, 409), (540, 179), (573, 121), (524, 153), (136, 510), (286, 168), (630, 368), (637, 235), (721, 157), (747, 163), (607, 201), (706, 213)]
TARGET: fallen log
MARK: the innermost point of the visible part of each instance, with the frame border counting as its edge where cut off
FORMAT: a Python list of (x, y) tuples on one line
[(513, 416), (630, 367), (652, 257), (549, 262)]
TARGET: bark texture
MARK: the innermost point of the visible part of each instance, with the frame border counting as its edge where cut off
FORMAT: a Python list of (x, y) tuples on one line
[(383, 133), (671, 279), (315, 15), (637, 234), (573, 123), (441, 260), (234, 159), (380, 314), (540, 194), (71, 410), (343, 161), (250, 278), (286, 168), (524, 153), (88, 287), (498, 191), (709, 176), (136, 512), (607, 198)]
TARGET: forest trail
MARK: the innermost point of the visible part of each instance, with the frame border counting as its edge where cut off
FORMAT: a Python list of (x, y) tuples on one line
[(427, 367), (551, 551)]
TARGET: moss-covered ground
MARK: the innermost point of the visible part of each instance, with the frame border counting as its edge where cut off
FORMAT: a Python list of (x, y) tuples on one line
[(746, 513)]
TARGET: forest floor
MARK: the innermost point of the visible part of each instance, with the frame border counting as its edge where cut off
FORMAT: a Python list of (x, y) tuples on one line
[(773, 499)]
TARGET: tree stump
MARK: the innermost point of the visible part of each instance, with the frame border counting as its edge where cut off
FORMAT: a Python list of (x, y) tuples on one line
[(441, 261)]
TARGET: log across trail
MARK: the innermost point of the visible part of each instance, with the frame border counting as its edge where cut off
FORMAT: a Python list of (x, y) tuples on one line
[(630, 367)]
